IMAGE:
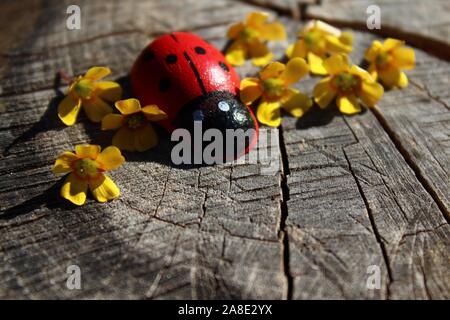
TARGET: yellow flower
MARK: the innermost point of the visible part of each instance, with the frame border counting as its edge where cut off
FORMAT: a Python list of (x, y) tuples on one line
[(86, 167), (317, 41), (387, 61), (272, 87), (347, 84), (249, 39), (135, 133), (87, 92)]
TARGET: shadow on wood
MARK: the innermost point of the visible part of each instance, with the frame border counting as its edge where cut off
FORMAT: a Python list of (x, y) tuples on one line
[(50, 198), (48, 121)]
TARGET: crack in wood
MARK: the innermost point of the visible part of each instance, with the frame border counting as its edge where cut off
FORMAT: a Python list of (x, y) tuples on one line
[(411, 163), (429, 94), (283, 233), (373, 224)]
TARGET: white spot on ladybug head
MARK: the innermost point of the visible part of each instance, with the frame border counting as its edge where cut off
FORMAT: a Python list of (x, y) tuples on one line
[(239, 116), (224, 106)]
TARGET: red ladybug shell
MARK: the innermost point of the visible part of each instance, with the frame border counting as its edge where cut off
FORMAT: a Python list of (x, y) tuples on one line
[(177, 68)]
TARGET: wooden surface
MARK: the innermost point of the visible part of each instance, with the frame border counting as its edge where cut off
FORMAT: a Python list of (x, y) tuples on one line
[(351, 192)]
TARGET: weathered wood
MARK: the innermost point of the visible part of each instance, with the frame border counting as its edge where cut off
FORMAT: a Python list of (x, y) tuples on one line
[(345, 198)]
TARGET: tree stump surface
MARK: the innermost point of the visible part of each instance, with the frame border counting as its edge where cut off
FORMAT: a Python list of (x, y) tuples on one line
[(350, 192)]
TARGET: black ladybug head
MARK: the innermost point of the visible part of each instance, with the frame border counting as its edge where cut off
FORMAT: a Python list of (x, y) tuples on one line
[(225, 113)]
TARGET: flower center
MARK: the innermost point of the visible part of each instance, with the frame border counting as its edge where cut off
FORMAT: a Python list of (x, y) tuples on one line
[(135, 120), (86, 168), (346, 81), (248, 34), (84, 88), (273, 87), (313, 40), (382, 60)]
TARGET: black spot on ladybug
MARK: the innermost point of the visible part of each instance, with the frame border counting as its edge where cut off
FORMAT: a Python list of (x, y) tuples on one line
[(224, 66), (171, 58), (200, 50), (164, 85), (148, 55)]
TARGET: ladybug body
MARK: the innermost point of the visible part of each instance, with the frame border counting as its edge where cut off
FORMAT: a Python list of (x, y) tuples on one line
[(190, 80)]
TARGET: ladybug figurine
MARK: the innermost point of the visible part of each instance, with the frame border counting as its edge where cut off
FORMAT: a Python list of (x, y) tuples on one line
[(190, 80)]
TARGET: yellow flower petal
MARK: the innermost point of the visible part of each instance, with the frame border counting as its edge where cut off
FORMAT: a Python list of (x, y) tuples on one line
[(297, 49), (110, 158), (324, 92), (372, 52), (145, 138), (272, 70), (109, 90), (289, 50), (334, 45), (316, 64), (322, 27), (403, 81), (273, 31), (336, 64), (346, 37), (371, 92), (124, 139), (390, 76), (297, 103), (112, 121), (296, 69), (68, 110), (236, 54), (128, 106), (104, 189), (74, 190), (250, 90), (235, 30), (154, 113), (268, 113), (259, 53), (361, 73), (391, 43), (63, 163), (97, 73), (255, 19), (373, 71), (348, 104), (404, 58), (96, 109), (87, 151)]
